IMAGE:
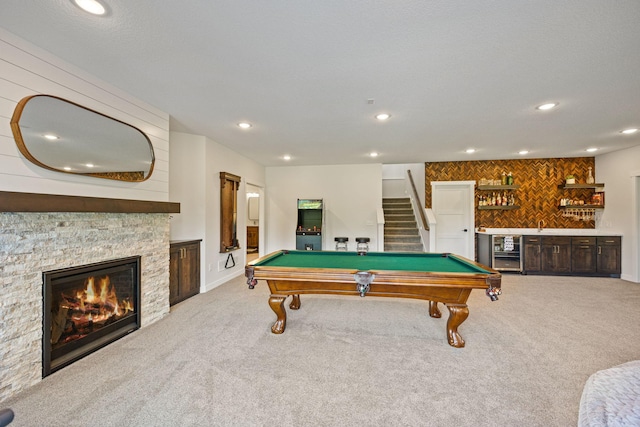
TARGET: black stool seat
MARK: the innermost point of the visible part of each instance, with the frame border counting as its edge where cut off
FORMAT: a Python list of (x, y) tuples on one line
[(363, 239), (341, 239), (6, 416)]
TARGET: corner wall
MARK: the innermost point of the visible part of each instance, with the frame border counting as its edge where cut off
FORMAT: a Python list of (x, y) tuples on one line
[(620, 216), (195, 178), (352, 195)]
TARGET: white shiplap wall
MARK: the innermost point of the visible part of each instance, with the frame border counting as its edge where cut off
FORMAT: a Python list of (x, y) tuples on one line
[(27, 70)]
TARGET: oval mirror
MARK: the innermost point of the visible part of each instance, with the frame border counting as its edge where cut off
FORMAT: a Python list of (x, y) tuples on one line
[(63, 136)]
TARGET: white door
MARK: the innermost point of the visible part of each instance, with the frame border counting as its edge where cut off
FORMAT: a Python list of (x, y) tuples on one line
[(452, 205)]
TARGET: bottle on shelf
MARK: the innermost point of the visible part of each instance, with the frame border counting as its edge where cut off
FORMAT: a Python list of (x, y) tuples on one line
[(509, 179), (590, 178)]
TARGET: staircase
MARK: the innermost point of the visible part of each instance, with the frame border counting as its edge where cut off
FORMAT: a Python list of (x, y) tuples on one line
[(400, 228)]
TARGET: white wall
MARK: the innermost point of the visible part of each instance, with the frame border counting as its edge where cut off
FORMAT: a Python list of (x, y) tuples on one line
[(393, 180), (619, 216), (187, 185), (195, 178), (27, 70), (351, 193)]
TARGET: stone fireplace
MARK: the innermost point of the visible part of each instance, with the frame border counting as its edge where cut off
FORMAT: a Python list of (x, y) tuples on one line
[(44, 235)]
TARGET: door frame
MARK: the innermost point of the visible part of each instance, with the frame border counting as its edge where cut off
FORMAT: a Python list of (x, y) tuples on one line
[(471, 223), (261, 222), (635, 226)]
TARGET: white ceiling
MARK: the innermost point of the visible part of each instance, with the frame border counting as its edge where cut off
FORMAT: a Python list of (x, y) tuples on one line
[(453, 74)]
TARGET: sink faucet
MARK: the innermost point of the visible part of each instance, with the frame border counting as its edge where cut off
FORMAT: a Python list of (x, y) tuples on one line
[(541, 224)]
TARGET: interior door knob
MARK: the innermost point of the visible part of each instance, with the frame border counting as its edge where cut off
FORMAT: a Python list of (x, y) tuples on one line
[(465, 230)]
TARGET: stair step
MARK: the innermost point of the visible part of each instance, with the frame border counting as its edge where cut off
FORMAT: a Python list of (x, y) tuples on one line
[(402, 239), (399, 217), (403, 247), (401, 231)]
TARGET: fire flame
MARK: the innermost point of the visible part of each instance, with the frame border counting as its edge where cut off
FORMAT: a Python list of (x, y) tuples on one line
[(87, 309), (99, 302)]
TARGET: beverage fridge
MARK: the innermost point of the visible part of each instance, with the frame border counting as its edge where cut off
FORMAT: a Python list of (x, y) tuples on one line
[(502, 252)]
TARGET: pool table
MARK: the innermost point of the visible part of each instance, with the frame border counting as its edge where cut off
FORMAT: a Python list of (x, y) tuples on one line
[(436, 277)]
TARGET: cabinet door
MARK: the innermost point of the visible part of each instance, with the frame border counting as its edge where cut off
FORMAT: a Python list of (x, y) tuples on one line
[(583, 255), (190, 270), (184, 271), (532, 254), (174, 275), (252, 237), (556, 254), (609, 256)]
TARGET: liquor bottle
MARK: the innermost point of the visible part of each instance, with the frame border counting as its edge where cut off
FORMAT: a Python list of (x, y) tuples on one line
[(590, 179)]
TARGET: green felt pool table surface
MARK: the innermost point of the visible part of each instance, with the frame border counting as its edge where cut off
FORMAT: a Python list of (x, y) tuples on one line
[(398, 261)]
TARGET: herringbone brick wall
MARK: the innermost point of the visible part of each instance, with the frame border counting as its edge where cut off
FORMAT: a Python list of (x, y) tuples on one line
[(538, 195)]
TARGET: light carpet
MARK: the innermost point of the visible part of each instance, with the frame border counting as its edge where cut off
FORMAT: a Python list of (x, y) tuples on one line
[(351, 361)]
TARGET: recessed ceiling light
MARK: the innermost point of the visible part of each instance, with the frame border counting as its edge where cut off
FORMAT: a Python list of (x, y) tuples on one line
[(92, 6), (286, 157), (67, 168), (629, 131), (591, 150), (89, 165), (51, 137), (244, 125), (548, 106), (373, 154), (470, 150), (383, 116), (523, 152)]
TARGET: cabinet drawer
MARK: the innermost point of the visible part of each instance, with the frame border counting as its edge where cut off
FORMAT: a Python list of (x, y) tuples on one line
[(583, 240), (532, 240), (556, 240), (609, 241)]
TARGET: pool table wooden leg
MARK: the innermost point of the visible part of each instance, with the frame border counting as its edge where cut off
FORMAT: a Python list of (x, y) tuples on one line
[(434, 311), (277, 305), (457, 315), (295, 302)]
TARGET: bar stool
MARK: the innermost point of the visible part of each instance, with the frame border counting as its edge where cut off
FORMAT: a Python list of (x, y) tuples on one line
[(341, 243), (362, 246)]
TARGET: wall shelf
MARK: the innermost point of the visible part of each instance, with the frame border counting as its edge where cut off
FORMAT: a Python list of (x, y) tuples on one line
[(36, 202), (579, 186), (581, 207), (508, 207), (498, 187)]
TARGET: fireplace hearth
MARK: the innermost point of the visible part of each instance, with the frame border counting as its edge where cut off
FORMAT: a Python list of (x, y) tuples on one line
[(87, 307)]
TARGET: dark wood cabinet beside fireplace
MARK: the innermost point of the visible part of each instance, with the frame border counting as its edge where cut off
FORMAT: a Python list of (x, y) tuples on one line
[(184, 270)]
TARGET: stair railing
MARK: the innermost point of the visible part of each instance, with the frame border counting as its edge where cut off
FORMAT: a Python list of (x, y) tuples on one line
[(423, 228), (416, 198)]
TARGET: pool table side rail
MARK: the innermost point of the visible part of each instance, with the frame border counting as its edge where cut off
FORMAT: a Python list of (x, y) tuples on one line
[(449, 288), (441, 294)]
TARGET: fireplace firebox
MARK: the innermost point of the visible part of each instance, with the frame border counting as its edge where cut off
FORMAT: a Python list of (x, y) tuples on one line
[(87, 307)]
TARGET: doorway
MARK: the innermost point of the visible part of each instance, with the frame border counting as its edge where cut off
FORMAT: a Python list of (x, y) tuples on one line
[(254, 215)]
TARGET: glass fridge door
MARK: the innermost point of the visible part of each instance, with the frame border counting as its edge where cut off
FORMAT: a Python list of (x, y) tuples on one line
[(506, 252)]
